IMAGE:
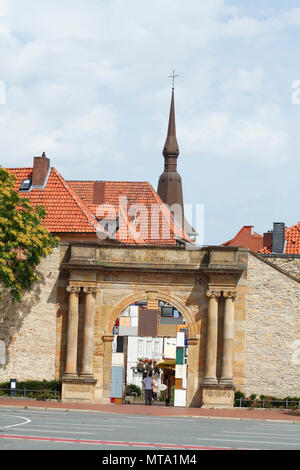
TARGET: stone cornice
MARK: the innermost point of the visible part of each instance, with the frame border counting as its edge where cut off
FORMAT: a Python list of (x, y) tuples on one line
[(211, 260)]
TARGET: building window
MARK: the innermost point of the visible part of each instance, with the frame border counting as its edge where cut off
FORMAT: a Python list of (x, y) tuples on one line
[(140, 348)]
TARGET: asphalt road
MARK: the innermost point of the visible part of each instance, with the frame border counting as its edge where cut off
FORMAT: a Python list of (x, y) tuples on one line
[(28, 429)]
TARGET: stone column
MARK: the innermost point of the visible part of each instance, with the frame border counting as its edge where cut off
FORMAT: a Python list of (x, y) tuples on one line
[(107, 368), (212, 339), (72, 334), (228, 337), (88, 333)]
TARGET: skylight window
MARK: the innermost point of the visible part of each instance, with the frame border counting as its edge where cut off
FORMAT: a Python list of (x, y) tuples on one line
[(26, 184)]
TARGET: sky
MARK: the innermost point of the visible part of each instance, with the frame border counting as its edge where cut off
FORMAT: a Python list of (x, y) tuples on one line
[(87, 81)]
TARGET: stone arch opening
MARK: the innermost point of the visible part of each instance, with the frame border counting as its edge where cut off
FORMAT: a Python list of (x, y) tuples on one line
[(172, 300), (127, 358)]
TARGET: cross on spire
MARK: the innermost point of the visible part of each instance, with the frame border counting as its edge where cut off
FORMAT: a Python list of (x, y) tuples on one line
[(173, 76)]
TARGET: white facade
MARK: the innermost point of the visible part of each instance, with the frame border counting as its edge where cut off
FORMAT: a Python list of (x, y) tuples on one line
[(141, 348), (169, 351)]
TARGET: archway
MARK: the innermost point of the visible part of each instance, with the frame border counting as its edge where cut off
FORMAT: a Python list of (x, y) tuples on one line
[(132, 348), (176, 302)]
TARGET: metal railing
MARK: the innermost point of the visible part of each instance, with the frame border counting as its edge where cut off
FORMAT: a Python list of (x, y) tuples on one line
[(132, 395), (267, 403), (27, 393)]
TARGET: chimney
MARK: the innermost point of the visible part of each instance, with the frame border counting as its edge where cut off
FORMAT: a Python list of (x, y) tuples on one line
[(40, 170), (268, 239), (278, 237), (99, 192)]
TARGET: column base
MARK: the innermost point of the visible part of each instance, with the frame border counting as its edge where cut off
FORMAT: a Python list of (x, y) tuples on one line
[(86, 377), (78, 390), (217, 396), (225, 381), (70, 376), (210, 381)]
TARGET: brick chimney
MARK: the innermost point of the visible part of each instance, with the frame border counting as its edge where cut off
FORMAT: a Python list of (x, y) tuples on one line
[(40, 170), (268, 239), (99, 192)]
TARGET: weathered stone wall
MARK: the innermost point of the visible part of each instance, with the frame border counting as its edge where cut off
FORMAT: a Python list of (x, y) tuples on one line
[(28, 329), (272, 362), (289, 264)]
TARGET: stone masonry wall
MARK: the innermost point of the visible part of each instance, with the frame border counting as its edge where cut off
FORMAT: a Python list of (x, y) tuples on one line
[(28, 329), (289, 264), (272, 362)]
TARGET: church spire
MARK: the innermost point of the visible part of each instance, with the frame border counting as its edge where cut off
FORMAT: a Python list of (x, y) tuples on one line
[(171, 148), (170, 184)]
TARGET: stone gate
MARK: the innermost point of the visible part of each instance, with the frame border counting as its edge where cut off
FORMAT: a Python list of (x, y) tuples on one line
[(207, 285)]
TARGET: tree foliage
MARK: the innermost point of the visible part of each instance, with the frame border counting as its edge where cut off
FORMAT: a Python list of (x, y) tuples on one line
[(24, 240)]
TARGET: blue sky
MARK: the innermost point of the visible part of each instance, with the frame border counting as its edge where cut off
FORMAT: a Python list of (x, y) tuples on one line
[(87, 82)]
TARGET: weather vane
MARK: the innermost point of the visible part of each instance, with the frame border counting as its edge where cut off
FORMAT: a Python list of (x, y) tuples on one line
[(173, 76)]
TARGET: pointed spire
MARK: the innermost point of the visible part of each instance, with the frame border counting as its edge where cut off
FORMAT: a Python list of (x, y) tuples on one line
[(171, 148)]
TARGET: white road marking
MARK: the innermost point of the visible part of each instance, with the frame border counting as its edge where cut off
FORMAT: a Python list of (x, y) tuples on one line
[(277, 425), (15, 425), (233, 433), (129, 421), (46, 412), (55, 431), (68, 413), (100, 426), (250, 442)]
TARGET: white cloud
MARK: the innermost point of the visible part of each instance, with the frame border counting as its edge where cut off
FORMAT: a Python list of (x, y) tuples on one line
[(87, 82), (4, 7), (245, 81), (2, 92), (261, 138), (292, 17)]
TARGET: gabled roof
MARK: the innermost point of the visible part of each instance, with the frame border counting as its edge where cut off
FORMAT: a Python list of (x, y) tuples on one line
[(247, 238), (71, 208), (136, 193), (66, 211)]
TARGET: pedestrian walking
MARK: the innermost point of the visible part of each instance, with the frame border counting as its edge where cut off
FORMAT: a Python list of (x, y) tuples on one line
[(148, 388)]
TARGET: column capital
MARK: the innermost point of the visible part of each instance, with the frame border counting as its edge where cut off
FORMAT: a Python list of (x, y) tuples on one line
[(108, 339), (192, 341), (73, 290), (213, 294), (90, 290), (230, 295)]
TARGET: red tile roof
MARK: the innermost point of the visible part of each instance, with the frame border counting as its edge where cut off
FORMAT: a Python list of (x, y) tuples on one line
[(136, 193), (247, 238), (71, 208), (292, 236), (66, 211)]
